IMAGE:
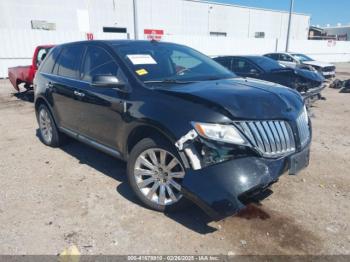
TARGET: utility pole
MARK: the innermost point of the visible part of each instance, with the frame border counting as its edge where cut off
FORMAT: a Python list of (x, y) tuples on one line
[(136, 33), (289, 23)]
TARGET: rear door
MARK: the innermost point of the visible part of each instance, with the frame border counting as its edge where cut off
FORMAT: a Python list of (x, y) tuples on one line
[(102, 108), (64, 85)]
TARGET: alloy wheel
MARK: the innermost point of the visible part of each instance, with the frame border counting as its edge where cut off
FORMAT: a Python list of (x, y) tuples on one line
[(45, 125), (158, 175)]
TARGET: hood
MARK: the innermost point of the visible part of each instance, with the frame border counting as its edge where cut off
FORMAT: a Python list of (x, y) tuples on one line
[(242, 98), (317, 63)]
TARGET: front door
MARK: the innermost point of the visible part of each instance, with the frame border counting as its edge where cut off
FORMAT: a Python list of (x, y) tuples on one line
[(103, 108)]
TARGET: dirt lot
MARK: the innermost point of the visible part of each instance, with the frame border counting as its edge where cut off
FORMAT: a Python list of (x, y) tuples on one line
[(51, 199)]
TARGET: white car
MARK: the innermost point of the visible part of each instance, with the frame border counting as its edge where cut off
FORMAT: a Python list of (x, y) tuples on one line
[(302, 61)]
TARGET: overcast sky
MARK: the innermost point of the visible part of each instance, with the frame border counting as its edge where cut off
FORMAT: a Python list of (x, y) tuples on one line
[(322, 11)]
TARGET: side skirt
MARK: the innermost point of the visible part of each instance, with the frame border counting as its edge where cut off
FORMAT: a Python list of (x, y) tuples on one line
[(92, 143)]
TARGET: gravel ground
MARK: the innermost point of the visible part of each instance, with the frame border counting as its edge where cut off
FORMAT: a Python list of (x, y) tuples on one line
[(52, 199)]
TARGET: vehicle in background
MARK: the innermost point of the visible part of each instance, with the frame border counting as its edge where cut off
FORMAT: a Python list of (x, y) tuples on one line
[(297, 60), (187, 126), (308, 83), (25, 74)]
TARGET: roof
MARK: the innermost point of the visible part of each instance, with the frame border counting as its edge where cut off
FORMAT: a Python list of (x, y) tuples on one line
[(243, 6)]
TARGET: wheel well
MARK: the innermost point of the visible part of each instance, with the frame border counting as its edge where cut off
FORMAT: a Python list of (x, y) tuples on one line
[(40, 101), (144, 132)]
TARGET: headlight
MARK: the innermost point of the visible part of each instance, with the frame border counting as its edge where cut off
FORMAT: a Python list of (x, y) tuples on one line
[(222, 133)]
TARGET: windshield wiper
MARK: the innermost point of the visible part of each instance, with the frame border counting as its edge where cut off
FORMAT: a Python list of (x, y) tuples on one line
[(168, 81)]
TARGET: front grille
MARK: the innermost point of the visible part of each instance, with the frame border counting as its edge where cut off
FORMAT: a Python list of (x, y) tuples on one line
[(303, 128), (271, 138), (328, 69)]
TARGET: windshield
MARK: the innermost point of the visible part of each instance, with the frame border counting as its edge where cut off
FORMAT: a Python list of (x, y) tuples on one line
[(156, 62), (302, 57), (267, 64)]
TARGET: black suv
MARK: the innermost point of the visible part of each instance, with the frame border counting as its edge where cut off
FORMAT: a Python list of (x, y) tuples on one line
[(187, 127)]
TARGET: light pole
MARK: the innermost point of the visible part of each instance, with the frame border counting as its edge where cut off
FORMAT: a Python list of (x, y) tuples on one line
[(136, 33), (289, 23)]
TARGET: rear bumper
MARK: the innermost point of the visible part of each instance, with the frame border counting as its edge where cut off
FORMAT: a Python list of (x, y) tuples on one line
[(223, 189)]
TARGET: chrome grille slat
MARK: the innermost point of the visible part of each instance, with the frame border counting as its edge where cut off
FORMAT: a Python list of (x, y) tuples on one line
[(264, 137), (271, 138), (303, 128), (257, 135), (281, 135)]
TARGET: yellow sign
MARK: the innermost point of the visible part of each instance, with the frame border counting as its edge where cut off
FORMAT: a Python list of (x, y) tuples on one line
[(141, 72)]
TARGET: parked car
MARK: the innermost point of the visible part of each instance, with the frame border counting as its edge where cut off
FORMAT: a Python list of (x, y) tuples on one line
[(308, 83), (187, 127), (25, 74), (295, 60)]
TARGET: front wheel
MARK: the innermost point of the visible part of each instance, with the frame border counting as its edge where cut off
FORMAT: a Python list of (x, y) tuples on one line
[(155, 174)]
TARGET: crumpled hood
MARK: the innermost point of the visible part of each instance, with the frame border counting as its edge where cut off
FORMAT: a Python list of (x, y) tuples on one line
[(307, 74), (311, 75), (243, 98), (317, 63)]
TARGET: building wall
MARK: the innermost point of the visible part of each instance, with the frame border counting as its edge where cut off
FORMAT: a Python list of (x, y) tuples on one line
[(186, 17), (66, 14)]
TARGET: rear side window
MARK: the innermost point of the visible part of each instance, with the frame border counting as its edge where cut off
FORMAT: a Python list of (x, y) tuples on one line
[(69, 61), (97, 62), (49, 61)]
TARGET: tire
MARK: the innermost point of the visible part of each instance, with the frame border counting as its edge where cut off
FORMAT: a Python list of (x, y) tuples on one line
[(48, 130), (143, 179)]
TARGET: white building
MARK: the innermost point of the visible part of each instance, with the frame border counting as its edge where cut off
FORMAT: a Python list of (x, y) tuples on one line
[(27, 23)]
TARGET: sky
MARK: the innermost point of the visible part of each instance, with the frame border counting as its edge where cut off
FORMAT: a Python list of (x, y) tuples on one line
[(322, 12)]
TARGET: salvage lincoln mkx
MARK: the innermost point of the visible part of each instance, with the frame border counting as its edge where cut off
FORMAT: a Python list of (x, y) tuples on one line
[(187, 127)]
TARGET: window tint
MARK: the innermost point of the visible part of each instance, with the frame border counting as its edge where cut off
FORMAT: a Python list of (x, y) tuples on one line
[(226, 62), (242, 66), (157, 61), (49, 62), (98, 62), (69, 61), (286, 58), (273, 56)]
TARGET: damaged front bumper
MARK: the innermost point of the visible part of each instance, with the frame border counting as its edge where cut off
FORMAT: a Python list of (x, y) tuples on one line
[(224, 188)]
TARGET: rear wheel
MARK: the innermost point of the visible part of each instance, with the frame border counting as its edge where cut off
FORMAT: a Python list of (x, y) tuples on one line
[(155, 174), (49, 133)]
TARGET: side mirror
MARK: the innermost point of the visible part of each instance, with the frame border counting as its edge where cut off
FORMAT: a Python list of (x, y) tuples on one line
[(108, 81), (253, 71)]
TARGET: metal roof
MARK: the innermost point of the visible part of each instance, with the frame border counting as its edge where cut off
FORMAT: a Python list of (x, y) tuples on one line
[(243, 6)]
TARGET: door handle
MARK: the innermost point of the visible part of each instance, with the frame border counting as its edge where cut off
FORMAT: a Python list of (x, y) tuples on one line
[(79, 94)]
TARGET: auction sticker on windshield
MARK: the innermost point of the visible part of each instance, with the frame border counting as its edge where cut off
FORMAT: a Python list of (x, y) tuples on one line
[(142, 59)]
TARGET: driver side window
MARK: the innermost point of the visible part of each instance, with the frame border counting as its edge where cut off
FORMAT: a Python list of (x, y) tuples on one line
[(97, 62), (242, 66), (286, 58)]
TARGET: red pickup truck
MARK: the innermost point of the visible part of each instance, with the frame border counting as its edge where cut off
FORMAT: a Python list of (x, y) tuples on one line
[(25, 74)]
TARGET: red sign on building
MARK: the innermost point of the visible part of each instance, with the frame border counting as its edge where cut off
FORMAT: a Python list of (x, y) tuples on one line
[(89, 36), (153, 34)]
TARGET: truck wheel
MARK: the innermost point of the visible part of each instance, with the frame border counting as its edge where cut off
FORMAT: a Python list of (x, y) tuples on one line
[(155, 174), (49, 133)]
